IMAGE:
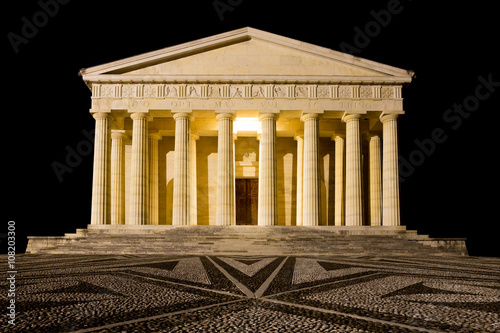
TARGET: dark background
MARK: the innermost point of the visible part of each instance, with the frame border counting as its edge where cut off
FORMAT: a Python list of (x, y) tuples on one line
[(453, 193)]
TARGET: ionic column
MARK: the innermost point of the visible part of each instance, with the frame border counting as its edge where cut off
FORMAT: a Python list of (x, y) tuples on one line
[(101, 182), (194, 193), (268, 211), (225, 213), (181, 214), (139, 170), (154, 209), (375, 181), (353, 191), (339, 180), (311, 180), (390, 173), (118, 138), (300, 173)]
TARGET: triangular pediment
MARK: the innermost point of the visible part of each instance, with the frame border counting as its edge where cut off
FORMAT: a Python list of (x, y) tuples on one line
[(246, 55)]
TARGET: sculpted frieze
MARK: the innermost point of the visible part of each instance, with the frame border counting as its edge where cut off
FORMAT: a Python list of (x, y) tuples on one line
[(246, 91)]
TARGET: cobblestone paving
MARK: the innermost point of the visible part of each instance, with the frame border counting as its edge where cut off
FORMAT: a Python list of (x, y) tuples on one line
[(151, 293)]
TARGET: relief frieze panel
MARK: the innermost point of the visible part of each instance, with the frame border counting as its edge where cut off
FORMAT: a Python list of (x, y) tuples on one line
[(246, 91)]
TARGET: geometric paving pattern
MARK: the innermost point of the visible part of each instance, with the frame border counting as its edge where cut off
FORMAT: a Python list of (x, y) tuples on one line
[(159, 293)]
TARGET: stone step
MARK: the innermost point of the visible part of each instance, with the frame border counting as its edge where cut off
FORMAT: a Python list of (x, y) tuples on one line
[(244, 240)]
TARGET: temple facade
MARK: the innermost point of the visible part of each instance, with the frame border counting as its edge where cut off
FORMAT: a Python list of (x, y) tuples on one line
[(246, 128)]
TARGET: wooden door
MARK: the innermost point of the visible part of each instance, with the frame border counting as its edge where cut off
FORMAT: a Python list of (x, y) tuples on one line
[(246, 201)]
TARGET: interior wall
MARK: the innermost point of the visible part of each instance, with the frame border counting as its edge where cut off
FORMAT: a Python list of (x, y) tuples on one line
[(206, 179), (327, 180), (286, 158), (165, 178)]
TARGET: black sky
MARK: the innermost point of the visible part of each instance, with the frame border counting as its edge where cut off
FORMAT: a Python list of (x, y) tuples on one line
[(451, 193)]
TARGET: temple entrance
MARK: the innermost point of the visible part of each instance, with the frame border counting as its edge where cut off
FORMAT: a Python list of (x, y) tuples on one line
[(247, 201)]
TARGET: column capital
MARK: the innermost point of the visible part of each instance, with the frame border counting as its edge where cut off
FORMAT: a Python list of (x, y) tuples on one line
[(119, 134), (155, 135), (299, 135), (347, 117), (373, 137), (101, 115), (306, 116), (226, 115), (388, 116), (182, 115), (338, 135), (263, 116), (194, 136), (139, 115)]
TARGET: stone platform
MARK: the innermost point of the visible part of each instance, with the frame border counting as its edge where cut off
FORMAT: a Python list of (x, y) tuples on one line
[(247, 240)]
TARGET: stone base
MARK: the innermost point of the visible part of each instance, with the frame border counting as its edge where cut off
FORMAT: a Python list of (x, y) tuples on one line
[(251, 240)]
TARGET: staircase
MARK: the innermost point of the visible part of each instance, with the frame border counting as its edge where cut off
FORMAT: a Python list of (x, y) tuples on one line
[(245, 240)]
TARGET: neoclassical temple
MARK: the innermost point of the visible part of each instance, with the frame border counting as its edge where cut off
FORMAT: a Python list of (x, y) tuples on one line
[(246, 127)]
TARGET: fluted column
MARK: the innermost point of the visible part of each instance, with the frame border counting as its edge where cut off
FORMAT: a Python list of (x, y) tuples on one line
[(339, 180), (300, 173), (181, 214), (101, 182), (154, 209), (118, 138), (194, 191), (235, 137), (268, 211), (225, 171), (353, 191), (139, 171), (311, 180), (375, 181), (390, 172)]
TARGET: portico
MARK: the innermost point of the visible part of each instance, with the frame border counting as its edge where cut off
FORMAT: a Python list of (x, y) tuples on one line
[(315, 128)]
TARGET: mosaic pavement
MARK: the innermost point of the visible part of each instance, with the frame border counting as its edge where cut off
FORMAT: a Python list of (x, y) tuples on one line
[(151, 293)]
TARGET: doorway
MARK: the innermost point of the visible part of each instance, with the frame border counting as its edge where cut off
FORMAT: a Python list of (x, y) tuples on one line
[(247, 195)]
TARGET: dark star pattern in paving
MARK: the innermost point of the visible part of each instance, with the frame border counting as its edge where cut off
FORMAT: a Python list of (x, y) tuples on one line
[(153, 293)]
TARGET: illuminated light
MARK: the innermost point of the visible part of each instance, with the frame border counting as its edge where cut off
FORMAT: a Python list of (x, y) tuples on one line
[(246, 125)]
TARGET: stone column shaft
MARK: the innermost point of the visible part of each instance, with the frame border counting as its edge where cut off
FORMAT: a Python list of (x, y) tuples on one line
[(182, 170), (101, 182), (339, 180), (139, 171), (225, 171), (375, 181), (300, 182), (118, 177), (268, 211), (194, 191), (390, 172), (311, 176), (154, 209), (235, 137), (353, 191)]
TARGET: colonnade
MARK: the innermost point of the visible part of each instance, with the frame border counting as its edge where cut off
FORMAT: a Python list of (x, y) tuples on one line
[(108, 189)]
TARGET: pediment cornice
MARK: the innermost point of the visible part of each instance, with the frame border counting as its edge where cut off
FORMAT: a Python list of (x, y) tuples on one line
[(175, 64)]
